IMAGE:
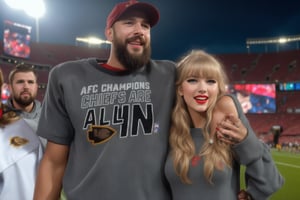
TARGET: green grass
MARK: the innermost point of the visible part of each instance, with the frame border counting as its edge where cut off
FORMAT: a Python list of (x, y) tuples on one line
[(288, 165)]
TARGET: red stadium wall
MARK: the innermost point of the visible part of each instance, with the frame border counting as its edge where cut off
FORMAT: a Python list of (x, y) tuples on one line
[(242, 68), (275, 68), (44, 56)]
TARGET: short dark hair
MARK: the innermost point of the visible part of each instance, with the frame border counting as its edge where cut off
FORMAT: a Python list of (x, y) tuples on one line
[(21, 68)]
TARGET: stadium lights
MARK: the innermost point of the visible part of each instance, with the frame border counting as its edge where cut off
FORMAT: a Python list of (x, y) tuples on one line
[(282, 40), (33, 8), (15, 4), (271, 40), (92, 40)]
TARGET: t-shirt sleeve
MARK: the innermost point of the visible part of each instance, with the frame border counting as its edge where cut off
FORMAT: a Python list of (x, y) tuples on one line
[(54, 123)]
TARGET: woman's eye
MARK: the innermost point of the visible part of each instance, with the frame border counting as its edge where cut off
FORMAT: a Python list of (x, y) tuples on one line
[(191, 80), (211, 81)]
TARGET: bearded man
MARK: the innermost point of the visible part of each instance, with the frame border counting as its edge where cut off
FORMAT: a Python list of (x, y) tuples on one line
[(23, 89)]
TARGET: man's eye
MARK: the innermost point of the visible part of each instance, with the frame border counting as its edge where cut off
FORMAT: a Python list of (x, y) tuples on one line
[(146, 26), (128, 22)]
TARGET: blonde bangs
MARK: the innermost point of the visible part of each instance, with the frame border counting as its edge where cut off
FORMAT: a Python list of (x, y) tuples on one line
[(201, 64)]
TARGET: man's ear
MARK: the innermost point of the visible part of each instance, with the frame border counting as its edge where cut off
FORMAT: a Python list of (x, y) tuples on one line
[(109, 34)]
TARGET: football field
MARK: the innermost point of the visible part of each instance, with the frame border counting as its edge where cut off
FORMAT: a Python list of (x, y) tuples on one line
[(288, 164)]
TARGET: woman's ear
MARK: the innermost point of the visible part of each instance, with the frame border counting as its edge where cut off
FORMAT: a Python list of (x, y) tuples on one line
[(179, 90)]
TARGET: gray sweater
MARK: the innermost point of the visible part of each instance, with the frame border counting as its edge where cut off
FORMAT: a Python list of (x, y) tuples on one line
[(32, 118), (262, 176)]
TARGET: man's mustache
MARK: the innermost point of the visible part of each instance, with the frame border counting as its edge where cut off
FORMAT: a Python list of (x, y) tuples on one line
[(25, 91), (137, 37)]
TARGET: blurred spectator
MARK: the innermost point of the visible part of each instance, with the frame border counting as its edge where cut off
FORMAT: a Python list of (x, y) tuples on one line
[(20, 155)]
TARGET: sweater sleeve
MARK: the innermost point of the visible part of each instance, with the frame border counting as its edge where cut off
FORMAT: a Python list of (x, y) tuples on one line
[(262, 176)]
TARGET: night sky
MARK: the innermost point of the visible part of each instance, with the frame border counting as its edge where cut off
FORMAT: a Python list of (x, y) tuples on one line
[(213, 25)]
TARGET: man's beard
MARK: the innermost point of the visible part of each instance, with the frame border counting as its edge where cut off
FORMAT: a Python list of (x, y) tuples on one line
[(129, 61), (24, 102)]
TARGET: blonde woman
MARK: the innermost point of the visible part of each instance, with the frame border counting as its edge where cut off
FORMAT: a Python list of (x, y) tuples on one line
[(210, 138)]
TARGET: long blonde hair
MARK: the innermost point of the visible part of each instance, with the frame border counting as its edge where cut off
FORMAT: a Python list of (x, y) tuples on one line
[(217, 155)]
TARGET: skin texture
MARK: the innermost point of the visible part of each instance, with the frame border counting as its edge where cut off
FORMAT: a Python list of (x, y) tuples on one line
[(198, 93), (226, 122), (130, 37), (24, 90)]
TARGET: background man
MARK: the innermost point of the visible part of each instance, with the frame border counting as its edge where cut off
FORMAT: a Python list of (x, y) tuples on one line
[(23, 88)]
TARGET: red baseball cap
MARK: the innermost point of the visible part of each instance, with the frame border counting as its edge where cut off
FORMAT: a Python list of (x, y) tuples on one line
[(119, 9)]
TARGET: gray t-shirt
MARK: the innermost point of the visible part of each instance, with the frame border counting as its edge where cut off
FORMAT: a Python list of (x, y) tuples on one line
[(116, 124)]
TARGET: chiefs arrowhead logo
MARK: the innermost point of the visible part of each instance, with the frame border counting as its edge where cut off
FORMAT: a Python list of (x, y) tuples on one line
[(100, 134), (18, 141)]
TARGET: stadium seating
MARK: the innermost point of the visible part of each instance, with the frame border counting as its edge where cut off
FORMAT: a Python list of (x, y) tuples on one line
[(262, 67), (54, 54), (44, 56), (275, 67), (238, 65)]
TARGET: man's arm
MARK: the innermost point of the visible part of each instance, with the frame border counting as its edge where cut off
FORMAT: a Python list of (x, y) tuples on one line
[(51, 170), (223, 108), (262, 176), (226, 123)]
